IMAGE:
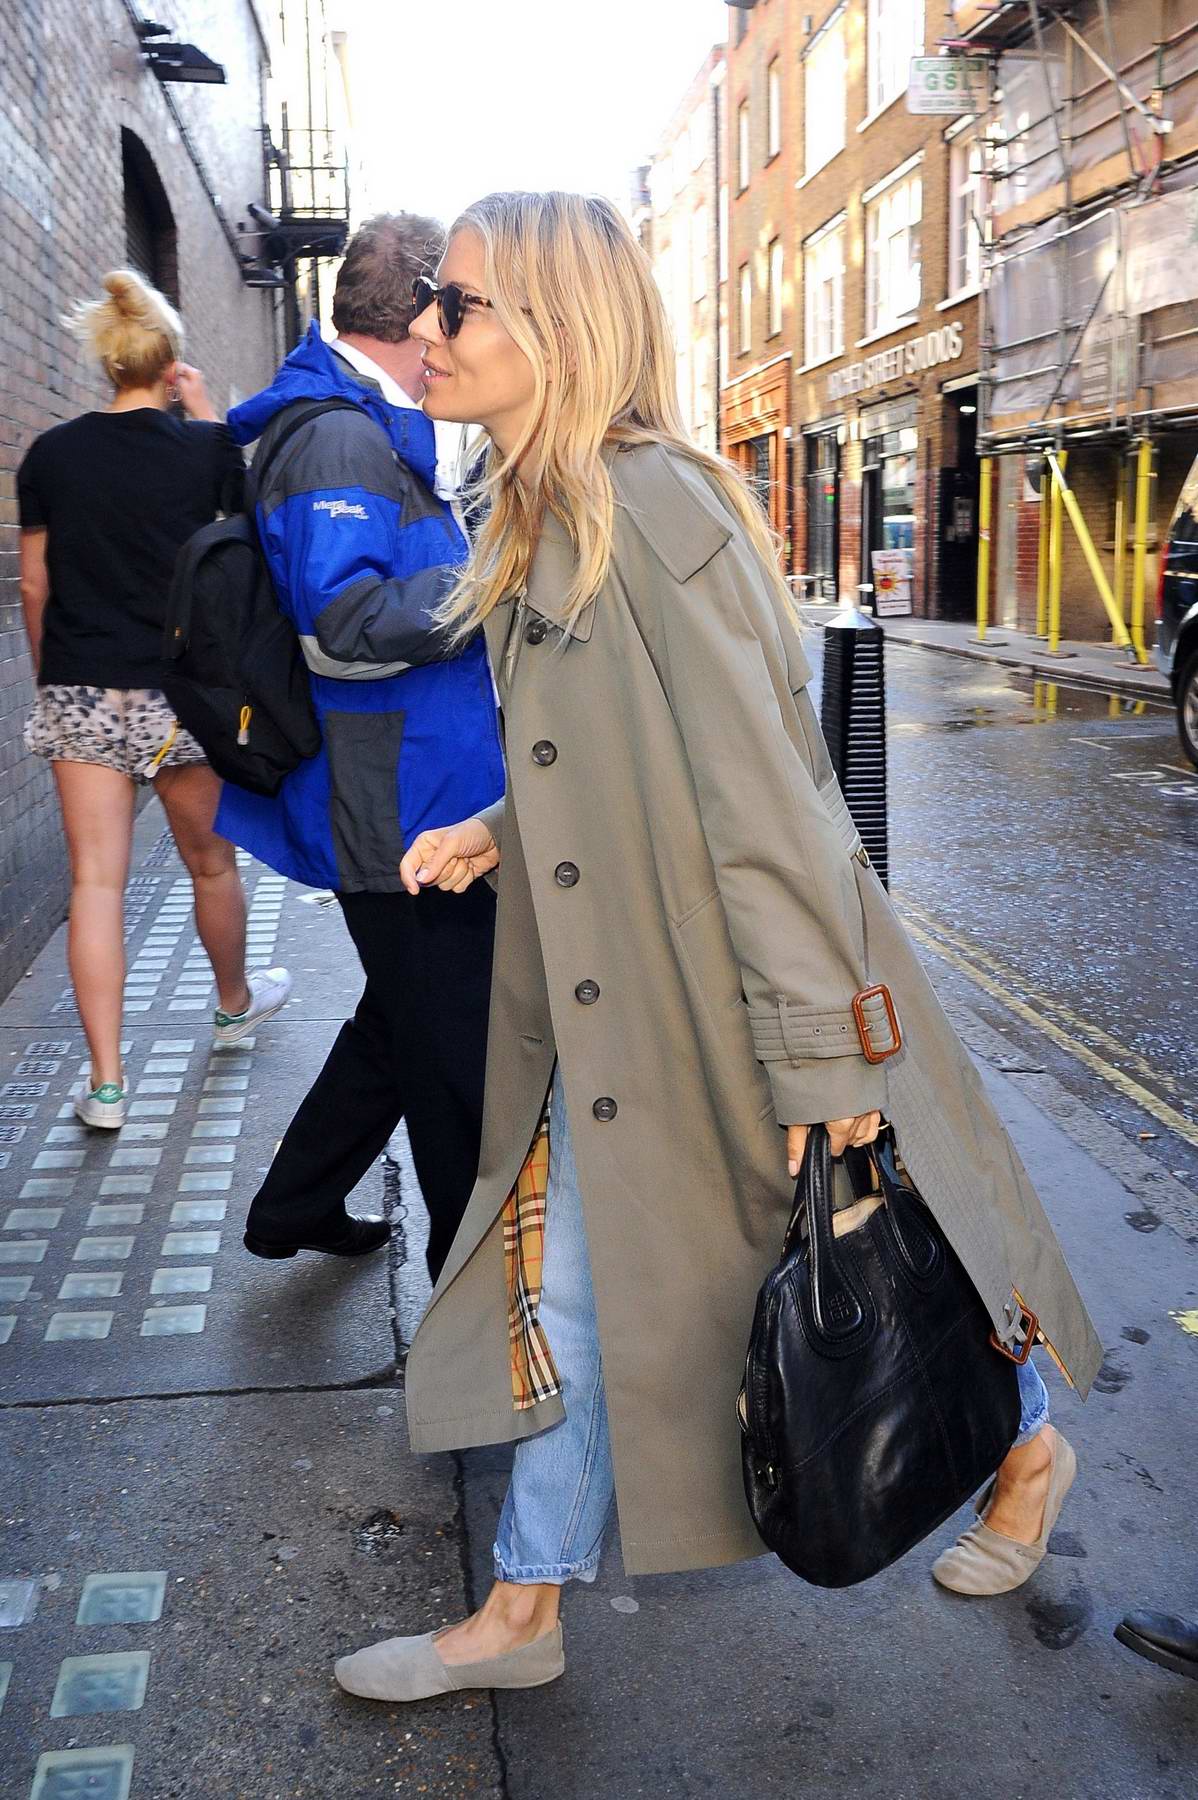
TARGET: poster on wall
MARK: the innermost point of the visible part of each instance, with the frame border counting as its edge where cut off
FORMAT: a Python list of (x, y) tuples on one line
[(892, 582)]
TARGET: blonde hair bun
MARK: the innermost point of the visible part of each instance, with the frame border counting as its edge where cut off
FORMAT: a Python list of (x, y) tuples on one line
[(134, 334)]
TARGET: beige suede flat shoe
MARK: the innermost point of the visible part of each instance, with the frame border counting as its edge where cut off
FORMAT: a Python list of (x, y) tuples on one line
[(401, 1669), (984, 1561)]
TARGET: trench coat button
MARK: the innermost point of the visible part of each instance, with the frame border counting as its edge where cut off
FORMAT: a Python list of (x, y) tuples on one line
[(537, 632), (605, 1108), (544, 753), (587, 992), (566, 875)]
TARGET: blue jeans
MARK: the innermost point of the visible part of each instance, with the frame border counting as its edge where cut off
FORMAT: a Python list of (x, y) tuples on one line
[(553, 1520), (562, 1487)]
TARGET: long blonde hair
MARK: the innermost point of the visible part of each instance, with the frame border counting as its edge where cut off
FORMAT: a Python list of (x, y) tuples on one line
[(134, 334), (574, 289)]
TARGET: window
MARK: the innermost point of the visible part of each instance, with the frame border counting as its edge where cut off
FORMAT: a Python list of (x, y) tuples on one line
[(742, 146), (700, 252), (773, 104), (823, 293), (824, 96), (895, 36), (151, 245), (746, 309), (964, 214), (774, 290), (724, 232), (892, 255)]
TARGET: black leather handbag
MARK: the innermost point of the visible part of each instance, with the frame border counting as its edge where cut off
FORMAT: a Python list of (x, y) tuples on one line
[(875, 1402)]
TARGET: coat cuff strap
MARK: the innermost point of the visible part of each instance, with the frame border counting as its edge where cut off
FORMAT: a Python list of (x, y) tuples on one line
[(786, 1032)]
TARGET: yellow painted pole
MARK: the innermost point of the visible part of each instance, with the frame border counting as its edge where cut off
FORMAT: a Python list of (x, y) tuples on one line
[(1120, 581), (1064, 496), (1140, 551), (1054, 558), (985, 472), (1042, 558)]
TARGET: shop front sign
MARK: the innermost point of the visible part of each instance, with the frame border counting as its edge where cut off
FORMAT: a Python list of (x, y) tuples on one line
[(911, 357), (892, 574)]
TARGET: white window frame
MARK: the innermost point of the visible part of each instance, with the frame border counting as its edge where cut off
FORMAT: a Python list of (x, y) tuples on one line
[(893, 277), (775, 286), (744, 145), (965, 164), (823, 291), (894, 34), (744, 303), (773, 108), (825, 95)]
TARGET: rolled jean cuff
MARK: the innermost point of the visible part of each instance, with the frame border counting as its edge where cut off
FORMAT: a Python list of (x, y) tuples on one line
[(551, 1574), (1033, 1399)]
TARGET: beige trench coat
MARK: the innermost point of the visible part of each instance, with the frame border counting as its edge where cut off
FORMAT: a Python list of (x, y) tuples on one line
[(673, 833)]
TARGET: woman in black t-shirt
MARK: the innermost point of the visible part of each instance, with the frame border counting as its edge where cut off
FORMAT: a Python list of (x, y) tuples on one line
[(106, 501)]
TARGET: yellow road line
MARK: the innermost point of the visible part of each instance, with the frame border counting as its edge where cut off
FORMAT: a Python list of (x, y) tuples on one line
[(1072, 1020), (1132, 1090)]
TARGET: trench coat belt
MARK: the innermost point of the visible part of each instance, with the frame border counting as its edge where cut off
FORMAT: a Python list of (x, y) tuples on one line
[(842, 818)]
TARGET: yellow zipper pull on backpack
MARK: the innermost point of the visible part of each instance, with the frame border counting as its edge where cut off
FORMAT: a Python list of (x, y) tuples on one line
[(243, 734)]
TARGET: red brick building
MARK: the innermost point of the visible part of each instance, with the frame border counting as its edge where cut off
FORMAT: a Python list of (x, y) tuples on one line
[(850, 394)]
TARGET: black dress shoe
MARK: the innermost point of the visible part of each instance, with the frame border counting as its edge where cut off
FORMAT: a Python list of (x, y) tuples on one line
[(1163, 1639), (358, 1238)]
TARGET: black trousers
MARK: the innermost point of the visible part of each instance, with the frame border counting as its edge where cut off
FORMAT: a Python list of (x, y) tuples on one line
[(415, 1049)]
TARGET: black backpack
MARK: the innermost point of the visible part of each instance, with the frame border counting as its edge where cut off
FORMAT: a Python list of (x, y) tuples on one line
[(235, 673)]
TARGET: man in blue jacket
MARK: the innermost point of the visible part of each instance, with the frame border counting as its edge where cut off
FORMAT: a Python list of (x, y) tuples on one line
[(362, 549)]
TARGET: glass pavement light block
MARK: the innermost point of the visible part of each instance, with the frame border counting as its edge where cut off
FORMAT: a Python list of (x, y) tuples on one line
[(33, 1218), (101, 1684), (18, 1601), (124, 1597), (103, 1284), (5, 1678), (166, 1065), (172, 1046), (46, 1187), (103, 1249), (105, 1773), (209, 1154), (8, 1324), (205, 1181), (223, 1103), (173, 1321), (182, 1281), (32, 1251), (216, 1128), (135, 1159), (152, 1109), (100, 1215), (226, 1084), (127, 1184), (198, 1212), (59, 1159), (74, 1327), (191, 1243), (15, 1287), (161, 1084)]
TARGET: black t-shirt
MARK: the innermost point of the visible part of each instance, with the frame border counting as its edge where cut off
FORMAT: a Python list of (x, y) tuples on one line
[(118, 494)]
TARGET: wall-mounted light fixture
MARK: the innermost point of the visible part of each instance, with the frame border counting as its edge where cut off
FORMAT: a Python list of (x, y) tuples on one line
[(171, 61)]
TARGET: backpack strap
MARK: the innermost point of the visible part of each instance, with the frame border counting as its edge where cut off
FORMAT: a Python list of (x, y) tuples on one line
[(256, 475)]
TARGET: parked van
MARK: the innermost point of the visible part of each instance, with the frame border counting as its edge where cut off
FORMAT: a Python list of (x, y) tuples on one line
[(1177, 612)]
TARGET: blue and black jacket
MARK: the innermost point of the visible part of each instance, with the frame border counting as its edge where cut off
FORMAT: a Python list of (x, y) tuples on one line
[(362, 553)]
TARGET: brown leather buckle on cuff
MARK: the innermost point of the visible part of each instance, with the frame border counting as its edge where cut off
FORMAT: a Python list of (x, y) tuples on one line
[(1030, 1325), (871, 1007)]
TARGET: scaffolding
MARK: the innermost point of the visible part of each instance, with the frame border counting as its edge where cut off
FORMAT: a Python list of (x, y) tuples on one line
[(1087, 207)]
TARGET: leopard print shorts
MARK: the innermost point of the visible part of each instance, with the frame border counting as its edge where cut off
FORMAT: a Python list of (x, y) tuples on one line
[(132, 730)]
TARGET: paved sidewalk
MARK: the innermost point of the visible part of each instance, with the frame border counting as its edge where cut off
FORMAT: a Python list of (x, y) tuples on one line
[(206, 1482), (1085, 664)]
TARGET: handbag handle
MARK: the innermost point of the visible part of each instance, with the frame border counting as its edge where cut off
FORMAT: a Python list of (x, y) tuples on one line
[(837, 1307)]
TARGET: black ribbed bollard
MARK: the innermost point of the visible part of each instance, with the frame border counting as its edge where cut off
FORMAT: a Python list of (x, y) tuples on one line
[(854, 722)]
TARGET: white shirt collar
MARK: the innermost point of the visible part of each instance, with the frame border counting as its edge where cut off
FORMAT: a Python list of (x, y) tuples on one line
[(357, 359)]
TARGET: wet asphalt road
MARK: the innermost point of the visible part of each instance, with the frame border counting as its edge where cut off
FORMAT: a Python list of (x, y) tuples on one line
[(1044, 843)]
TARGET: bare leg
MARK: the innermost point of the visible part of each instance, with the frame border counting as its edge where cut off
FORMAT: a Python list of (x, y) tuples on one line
[(512, 1615), (1021, 1489), (190, 793), (97, 815)]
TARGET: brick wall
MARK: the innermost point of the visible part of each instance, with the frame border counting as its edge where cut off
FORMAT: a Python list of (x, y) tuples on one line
[(70, 79)]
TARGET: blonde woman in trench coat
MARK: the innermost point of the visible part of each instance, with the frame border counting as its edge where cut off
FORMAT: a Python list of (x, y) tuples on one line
[(685, 916)]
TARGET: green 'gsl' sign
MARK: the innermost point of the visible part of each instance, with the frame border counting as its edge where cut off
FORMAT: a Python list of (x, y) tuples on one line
[(948, 84)]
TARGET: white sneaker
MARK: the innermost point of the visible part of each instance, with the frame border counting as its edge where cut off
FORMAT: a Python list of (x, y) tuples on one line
[(269, 990), (105, 1107)]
